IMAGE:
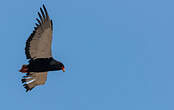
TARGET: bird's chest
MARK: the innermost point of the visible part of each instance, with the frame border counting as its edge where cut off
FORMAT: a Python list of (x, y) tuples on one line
[(40, 66)]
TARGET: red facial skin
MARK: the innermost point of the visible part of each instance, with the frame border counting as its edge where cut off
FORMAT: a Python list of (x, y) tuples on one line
[(63, 69)]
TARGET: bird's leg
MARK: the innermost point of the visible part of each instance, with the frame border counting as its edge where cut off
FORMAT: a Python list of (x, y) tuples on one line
[(24, 69)]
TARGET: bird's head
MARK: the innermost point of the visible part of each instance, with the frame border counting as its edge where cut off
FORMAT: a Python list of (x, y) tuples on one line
[(61, 66), (57, 65)]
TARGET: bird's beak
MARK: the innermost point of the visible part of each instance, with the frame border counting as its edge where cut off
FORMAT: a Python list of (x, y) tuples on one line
[(63, 69)]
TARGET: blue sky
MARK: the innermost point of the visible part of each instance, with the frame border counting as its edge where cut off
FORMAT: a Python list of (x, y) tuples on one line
[(118, 55)]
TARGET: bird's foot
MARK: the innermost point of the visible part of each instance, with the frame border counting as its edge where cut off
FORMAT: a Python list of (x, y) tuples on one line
[(24, 69)]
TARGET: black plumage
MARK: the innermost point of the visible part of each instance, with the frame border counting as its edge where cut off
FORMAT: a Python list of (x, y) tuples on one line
[(47, 64)]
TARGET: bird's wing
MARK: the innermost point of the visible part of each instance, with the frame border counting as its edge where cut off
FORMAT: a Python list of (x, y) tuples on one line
[(38, 44), (34, 79)]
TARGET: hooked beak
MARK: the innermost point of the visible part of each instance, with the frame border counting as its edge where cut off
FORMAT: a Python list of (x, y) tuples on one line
[(63, 69)]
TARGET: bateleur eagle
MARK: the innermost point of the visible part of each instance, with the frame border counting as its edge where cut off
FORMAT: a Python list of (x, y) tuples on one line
[(38, 51)]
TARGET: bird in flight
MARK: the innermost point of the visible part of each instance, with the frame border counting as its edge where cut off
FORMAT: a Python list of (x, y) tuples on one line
[(38, 51)]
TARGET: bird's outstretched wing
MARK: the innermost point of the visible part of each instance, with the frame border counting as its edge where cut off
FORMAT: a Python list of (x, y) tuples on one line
[(33, 79), (38, 44)]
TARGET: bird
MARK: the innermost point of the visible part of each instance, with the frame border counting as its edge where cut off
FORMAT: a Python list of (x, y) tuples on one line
[(39, 54)]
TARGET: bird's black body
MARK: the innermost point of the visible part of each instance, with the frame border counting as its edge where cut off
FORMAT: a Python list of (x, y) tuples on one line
[(44, 64)]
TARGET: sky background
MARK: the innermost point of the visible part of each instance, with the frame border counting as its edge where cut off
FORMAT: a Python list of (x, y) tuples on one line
[(118, 55)]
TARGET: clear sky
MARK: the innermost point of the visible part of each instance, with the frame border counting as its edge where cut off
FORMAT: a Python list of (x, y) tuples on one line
[(118, 55)]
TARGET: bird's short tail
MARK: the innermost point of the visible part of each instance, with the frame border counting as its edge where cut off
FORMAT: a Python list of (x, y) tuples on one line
[(24, 69)]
